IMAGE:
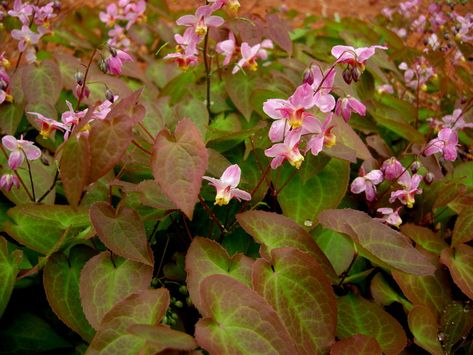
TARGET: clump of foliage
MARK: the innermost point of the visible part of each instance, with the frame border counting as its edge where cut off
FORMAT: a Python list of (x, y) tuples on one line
[(229, 183)]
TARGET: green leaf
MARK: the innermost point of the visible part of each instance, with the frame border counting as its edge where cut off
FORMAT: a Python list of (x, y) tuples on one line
[(460, 263), (358, 316), (384, 294), (304, 200), (456, 323), (42, 227), (273, 230), (295, 285), (29, 334), (146, 307), (358, 344), (8, 270), (122, 231), (237, 320), (348, 137), (196, 111), (365, 87), (42, 83), (383, 242), (61, 283), (240, 89), (75, 167), (463, 174), (463, 230), (178, 164), (424, 326), (105, 281), (206, 257), (424, 237), (11, 115)]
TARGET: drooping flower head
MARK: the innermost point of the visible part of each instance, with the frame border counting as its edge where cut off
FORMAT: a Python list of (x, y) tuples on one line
[(322, 136), (20, 149), (347, 105), (367, 183), (355, 57), (288, 150), (226, 186), (48, 125), (7, 181), (231, 5), (201, 20), (390, 216), (116, 60), (227, 48), (445, 143), (392, 169), (411, 188)]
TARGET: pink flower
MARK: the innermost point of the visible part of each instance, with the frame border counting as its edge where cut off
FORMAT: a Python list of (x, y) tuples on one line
[(71, 117), (20, 149), (186, 50), (385, 88), (7, 181), (322, 137), (410, 188), (227, 48), (22, 12), (110, 16), (322, 84), (455, 121), (286, 151), (115, 62), (201, 20), (103, 109), (367, 184), (226, 186), (290, 113), (43, 14), (48, 125), (231, 5), (354, 57), (25, 37), (249, 55), (347, 105), (118, 38), (392, 169), (188, 41), (445, 143), (390, 217), (4, 83)]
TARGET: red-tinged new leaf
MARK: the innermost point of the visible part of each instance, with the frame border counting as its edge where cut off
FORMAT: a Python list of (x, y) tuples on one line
[(424, 237), (383, 242), (430, 290), (424, 326), (239, 321), (206, 257), (61, 282), (147, 307), (74, 167), (278, 31), (463, 230), (8, 271), (460, 263), (128, 106), (108, 142), (122, 231), (161, 337), (42, 83), (359, 316), (358, 344), (178, 164), (105, 281), (295, 285), (273, 231)]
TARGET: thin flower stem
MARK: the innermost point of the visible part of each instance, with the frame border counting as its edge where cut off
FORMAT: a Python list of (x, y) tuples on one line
[(31, 176), (212, 215), (344, 274), (50, 188), (141, 147), (18, 176), (148, 133), (82, 89), (186, 226), (163, 255), (207, 71), (260, 181)]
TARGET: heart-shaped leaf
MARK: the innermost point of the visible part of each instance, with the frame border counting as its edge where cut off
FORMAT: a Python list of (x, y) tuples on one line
[(8, 271), (423, 324), (383, 242), (297, 288), (206, 257), (122, 231), (61, 282), (11, 115), (238, 320), (42, 83), (359, 316), (273, 231), (106, 280), (460, 263), (178, 164), (463, 230), (358, 344), (240, 89)]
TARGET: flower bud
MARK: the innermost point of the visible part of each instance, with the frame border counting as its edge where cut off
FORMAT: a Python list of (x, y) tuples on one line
[(113, 51), (79, 78), (3, 84), (103, 66), (355, 74), (179, 304), (415, 167), (183, 289), (429, 178), (308, 76), (109, 96), (347, 76), (57, 5)]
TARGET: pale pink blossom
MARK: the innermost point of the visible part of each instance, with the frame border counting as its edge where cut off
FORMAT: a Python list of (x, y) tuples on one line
[(410, 189), (354, 56), (322, 136), (25, 37), (43, 14), (226, 186), (445, 143), (456, 121), (367, 184), (227, 48), (390, 217), (250, 54), (20, 149), (21, 11), (347, 105), (385, 88), (110, 15), (71, 117), (7, 181), (231, 5), (118, 38), (201, 21), (392, 169), (116, 60), (288, 150), (48, 125)]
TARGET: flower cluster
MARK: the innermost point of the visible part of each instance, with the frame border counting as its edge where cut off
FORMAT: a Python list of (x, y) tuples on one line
[(30, 15), (4, 80), (418, 75), (294, 120)]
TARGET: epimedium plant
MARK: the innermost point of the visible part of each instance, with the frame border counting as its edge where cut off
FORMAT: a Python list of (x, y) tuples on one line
[(221, 182)]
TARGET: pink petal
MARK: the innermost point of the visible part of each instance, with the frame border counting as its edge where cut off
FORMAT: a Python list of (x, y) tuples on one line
[(240, 194), (278, 130), (325, 103), (10, 143), (276, 150), (272, 108), (370, 192), (358, 185), (15, 159), (357, 106), (343, 52), (303, 97), (385, 210), (231, 176), (375, 176), (214, 21), (187, 20), (277, 161), (32, 152)]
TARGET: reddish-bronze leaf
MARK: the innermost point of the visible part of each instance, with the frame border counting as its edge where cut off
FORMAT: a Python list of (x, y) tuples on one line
[(424, 237), (463, 230), (178, 164), (383, 242), (106, 280), (297, 288), (460, 263), (130, 107), (273, 230), (358, 344), (75, 167), (206, 257), (239, 321), (122, 231), (423, 324), (359, 316), (108, 141)]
